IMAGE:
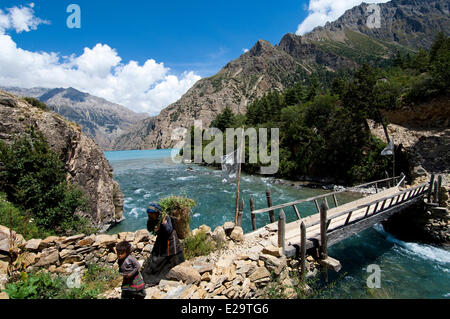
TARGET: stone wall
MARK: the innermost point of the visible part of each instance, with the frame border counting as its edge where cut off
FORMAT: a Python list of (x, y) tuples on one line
[(66, 255), (241, 268)]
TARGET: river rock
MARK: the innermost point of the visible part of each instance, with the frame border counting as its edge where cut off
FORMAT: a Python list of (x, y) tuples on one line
[(66, 253), (48, 242), (142, 235), (28, 259), (176, 293), (48, 257), (186, 274), (237, 234), (3, 267), (86, 241), (259, 273), (33, 244), (225, 262), (130, 237), (203, 267), (206, 277), (72, 239), (148, 248), (104, 240), (202, 228), (112, 257), (3, 281), (272, 250), (273, 263), (228, 228), (4, 246), (219, 235)]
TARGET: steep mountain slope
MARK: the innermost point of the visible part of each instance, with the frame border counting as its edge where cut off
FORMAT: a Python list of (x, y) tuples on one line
[(85, 163), (406, 25), (100, 119)]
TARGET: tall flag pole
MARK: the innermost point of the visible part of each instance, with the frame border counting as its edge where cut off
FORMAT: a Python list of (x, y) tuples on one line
[(239, 177)]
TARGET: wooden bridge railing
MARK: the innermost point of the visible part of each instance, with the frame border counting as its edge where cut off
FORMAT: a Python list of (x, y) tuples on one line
[(392, 202), (394, 181), (399, 198)]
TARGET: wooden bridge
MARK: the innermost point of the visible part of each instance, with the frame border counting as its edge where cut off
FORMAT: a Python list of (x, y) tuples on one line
[(328, 226)]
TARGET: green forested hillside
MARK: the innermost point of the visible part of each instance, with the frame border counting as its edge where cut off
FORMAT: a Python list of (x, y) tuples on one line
[(323, 127)]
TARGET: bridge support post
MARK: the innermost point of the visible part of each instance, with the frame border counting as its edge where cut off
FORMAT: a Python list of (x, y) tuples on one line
[(241, 212), (438, 191), (269, 204), (323, 238), (430, 189), (252, 209), (282, 230), (303, 270)]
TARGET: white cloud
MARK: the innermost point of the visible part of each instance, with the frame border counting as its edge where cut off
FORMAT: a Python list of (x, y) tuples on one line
[(323, 11), (245, 50), (21, 19), (99, 70)]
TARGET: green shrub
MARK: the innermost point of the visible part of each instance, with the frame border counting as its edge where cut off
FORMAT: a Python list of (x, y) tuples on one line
[(198, 245), (42, 285), (12, 217), (36, 286), (34, 179), (36, 103)]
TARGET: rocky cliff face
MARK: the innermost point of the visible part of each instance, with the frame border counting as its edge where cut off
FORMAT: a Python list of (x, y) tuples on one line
[(85, 162), (100, 119), (241, 81), (344, 44), (409, 23)]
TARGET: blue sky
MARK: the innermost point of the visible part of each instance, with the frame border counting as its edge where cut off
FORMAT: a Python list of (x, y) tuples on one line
[(143, 54), (197, 35)]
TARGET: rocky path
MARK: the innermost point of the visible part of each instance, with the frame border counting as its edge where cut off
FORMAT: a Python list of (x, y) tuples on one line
[(240, 270)]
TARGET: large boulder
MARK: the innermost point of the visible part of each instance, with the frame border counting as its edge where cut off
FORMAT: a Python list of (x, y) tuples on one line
[(184, 273), (237, 234), (219, 235), (142, 235), (228, 228), (274, 264), (7, 238), (104, 240)]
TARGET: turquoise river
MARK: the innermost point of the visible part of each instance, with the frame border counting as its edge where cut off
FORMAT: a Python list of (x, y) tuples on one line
[(408, 270)]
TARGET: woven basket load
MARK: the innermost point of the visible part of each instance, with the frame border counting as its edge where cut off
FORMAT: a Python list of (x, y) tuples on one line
[(179, 209)]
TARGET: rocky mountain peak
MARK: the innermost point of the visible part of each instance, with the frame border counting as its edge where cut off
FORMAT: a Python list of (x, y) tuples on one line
[(406, 25), (261, 47)]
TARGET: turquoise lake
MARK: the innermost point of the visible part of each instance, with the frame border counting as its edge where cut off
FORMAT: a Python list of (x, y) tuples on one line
[(408, 270)]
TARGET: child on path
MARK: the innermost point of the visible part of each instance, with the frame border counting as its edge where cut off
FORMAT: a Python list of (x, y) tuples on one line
[(133, 283)]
